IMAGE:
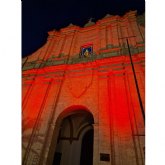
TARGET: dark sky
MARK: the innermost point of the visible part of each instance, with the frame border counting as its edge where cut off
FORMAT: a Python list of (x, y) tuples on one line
[(41, 16)]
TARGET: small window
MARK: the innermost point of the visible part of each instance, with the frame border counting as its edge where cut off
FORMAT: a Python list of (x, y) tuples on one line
[(86, 51)]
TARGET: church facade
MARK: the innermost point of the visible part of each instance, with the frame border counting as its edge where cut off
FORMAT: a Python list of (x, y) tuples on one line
[(83, 95)]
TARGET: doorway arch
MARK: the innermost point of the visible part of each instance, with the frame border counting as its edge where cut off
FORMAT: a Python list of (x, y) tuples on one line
[(73, 130)]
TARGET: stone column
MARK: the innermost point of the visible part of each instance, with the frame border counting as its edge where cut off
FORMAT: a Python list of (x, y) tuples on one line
[(96, 144), (102, 37)]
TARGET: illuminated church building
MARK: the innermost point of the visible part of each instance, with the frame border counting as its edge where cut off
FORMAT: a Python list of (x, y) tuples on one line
[(83, 95)]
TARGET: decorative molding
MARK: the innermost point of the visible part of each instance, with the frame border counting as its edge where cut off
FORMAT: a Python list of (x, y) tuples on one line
[(104, 53)]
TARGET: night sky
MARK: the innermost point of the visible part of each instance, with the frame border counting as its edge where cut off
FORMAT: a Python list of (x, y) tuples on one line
[(41, 16)]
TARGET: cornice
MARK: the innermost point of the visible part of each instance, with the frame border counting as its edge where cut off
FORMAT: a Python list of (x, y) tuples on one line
[(104, 59), (103, 53), (116, 67)]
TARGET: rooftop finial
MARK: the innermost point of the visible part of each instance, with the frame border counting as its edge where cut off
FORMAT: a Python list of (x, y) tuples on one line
[(90, 19), (107, 16), (89, 22), (70, 25)]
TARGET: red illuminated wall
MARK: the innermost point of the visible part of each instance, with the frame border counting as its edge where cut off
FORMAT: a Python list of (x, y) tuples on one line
[(56, 78)]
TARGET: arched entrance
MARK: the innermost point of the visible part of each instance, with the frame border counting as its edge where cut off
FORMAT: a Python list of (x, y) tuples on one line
[(75, 139)]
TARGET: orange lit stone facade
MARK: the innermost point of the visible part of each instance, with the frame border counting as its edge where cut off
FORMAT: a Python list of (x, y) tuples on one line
[(57, 82)]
